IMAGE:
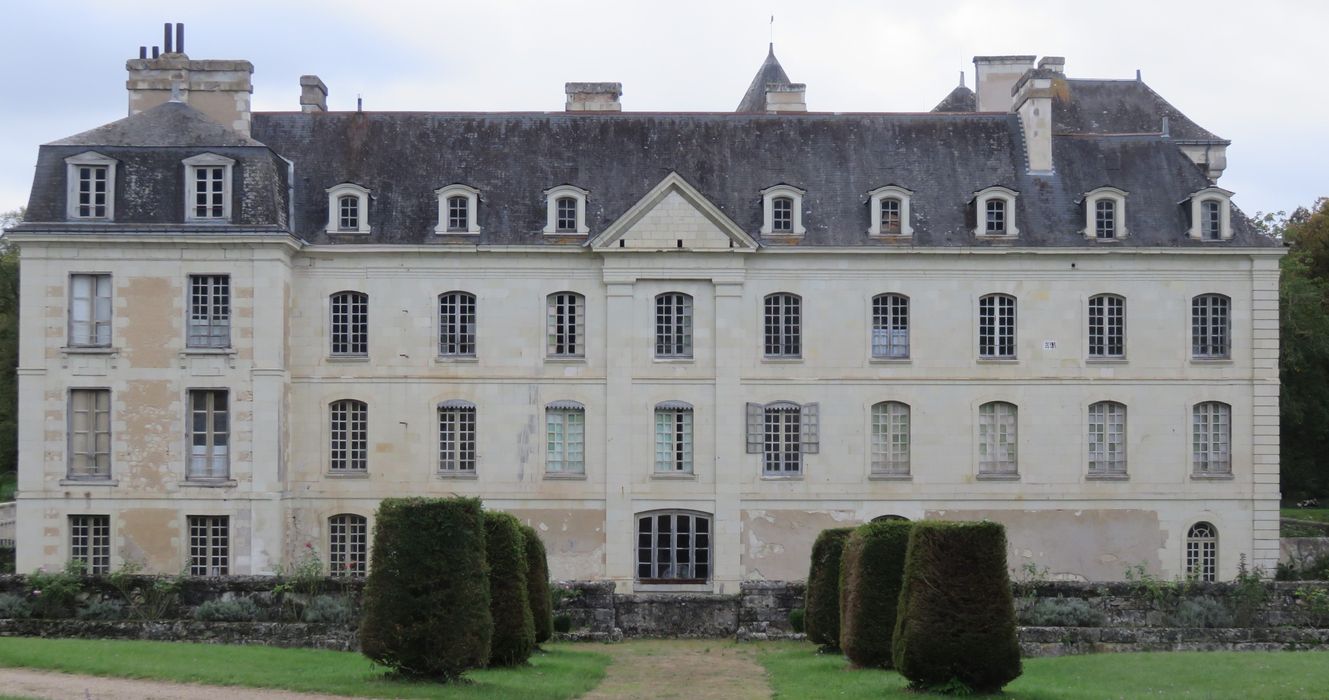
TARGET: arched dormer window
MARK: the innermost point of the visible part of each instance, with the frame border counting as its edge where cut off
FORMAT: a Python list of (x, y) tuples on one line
[(782, 211), (1105, 214), (889, 209), (348, 208), (1210, 212), (90, 187), (565, 211), (458, 210), (994, 210)]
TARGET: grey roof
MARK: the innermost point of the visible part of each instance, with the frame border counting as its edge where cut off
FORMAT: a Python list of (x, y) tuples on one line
[(754, 100), (1120, 107), (961, 99), (167, 124), (512, 158)]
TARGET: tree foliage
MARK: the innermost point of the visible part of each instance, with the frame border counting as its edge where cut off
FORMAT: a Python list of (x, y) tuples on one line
[(1304, 351), (509, 603), (871, 571), (537, 585), (9, 290)]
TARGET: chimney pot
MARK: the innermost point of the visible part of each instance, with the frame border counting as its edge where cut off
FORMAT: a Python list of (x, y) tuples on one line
[(313, 94), (593, 97), (166, 37)]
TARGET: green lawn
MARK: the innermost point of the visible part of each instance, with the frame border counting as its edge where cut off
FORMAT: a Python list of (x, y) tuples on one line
[(561, 672), (796, 670), (1320, 515)]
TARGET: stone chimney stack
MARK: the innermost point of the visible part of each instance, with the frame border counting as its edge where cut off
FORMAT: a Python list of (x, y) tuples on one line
[(786, 97), (593, 97), (219, 89), (994, 76), (1032, 100), (313, 94)]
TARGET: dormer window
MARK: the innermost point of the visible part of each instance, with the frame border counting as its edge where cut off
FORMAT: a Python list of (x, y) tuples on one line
[(565, 211), (1210, 214), (348, 209), (782, 211), (91, 191), (458, 210), (208, 188), (994, 210), (1105, 214), (890, 211)]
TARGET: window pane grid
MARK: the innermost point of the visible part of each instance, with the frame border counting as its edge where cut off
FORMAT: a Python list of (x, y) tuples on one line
[(350, 323), (566, 325), (349, 431), (90, 542), (1202, 553), (209, 545), (890, 326), (673, 441), (995, 220), (1211, 220), (782, 447), (456, 324), (997, 438), (1212, 438), (209, 435), (890, 216), (209, 311), (783, 325), (456, 439), (459, 213), (209, 192), (348, 538), (348, 213), (1107, 438), (565, 441), (566, 215), (782, 214), (996, 326), (92, 181), (90, 310), (890, 438), (1210, 326), (673, 325), (90, 433), (673, 548), (1107, 326), (1105, 219)]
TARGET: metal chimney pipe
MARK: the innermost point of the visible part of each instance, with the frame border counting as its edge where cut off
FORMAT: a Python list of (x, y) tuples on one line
[(155, 49), (166, 37), (142, 52), (180, 37)]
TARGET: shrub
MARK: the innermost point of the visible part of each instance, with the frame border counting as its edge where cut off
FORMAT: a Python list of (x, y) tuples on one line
[(426, 600), (1061, 612), (331, 609), (147, 599), (870, 573), (822, 607), (562, 624), (99, 609), (796, 620), (55, 594), (234, 610), (1202, 611), (13, 607), (509, 604), (956, 627), (537, 585)]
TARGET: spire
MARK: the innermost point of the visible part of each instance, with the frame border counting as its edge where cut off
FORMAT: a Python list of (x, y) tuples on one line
[(754, 100)]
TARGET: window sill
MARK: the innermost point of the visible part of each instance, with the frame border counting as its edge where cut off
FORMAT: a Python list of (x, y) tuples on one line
[(997, 477), (1211, 360), (1105, 361), (998, 360), (555, 476), (207, 483), (671, 587), (1107, 477), (781, 477), (348, 358), (89, 482), (674, 476), (558, 359), (456, 232), (890, 360), (782, 360), (213, 221), (673, 360), (890, 477), (452, 475), (90, 350), (456, 359), (355, 474), (891, 236), (208, 351), (1211, 477)]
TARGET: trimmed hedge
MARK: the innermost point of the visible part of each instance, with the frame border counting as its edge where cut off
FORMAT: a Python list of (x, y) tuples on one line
[(821, 617), (871, 572), (537, 585), (426, 601), (509, 602), (956, 627)]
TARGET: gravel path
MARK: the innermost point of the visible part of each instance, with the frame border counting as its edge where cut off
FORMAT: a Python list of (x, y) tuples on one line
[(698, 669), (67, 686)]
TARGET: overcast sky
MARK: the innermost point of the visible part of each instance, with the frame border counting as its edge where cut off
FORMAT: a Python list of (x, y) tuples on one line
[(1252, 72)]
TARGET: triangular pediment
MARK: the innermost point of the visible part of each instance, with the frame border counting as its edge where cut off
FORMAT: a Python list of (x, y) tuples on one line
[(673, 216)]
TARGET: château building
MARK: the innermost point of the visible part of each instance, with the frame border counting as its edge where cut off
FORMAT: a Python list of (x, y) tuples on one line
[(679, 344)]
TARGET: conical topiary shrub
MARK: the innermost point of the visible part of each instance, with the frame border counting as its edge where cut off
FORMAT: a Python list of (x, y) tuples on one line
[(426, 601), (537, 585), (821, 617), (509, 604), (956, 625), (871, 572)]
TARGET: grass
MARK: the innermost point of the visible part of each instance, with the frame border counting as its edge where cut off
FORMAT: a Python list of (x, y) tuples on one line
[(1319, 515), (558, 673), (1309, 515), (796, 670)]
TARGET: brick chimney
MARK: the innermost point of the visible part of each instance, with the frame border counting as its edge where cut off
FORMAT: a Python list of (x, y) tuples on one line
[(994, 78), (218, 88), (593, 97), (313, 94)]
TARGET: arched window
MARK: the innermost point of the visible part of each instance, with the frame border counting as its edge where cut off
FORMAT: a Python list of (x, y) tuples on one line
[(1107, 439), (565, 210), (1107, 326), (348, 209), (1202, 552), (783, 325), (998, 424), (1211, 439), (890, 438), (456, 437), (456, 324), (348, 431), (566, 325), (996, 327), (994, 212), (1210, 327), (673, 325), (890, 326), (673, 546), (350, 324), (348, 545), (457, 204), (782, 211), (890, 518)]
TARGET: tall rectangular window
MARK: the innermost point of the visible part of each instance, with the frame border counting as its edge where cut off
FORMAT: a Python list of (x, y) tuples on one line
[(209, 434), (456, 437), (782, 452), (1211, 220), (348, 213), (890, 326), (673, 325), (566, 212), (673, 439), (90, 542), (1107, 439), (350, 324), (1210, 320), (348, 539), (90, 311), (90, 433), (459, 215), (566, 325), (456, 324), (996, 327), (890, 438), (209, 545), (997, 438), (209, 189), (782, 215), (995, 220), (209, 311), (1107, 326), (783, 325), (565, 440), (890, 215), (673, 547), (349, 432), (1105, 218), (92, 191), (1211, 438)]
